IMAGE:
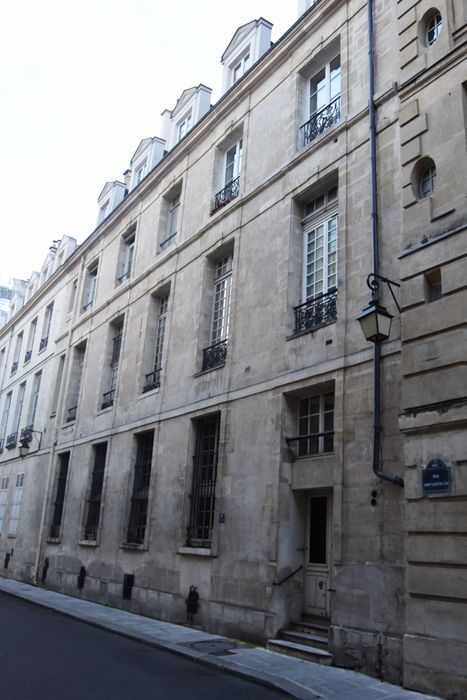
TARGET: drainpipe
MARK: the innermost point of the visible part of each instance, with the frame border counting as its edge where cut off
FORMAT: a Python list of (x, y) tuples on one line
[(380, 473)]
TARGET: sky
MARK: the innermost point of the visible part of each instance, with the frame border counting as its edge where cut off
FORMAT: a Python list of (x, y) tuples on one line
[(81, 84)]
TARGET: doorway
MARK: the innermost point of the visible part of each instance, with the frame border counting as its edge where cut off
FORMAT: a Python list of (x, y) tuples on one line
[(318, 556)]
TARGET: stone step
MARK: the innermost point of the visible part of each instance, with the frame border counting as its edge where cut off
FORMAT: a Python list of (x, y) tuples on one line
[(300, 651), (310, 627), (313, 640)]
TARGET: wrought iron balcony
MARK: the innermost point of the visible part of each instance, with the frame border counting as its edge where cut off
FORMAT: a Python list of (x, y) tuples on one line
[(316, 312), (1, 444), (72, 414), (14, 367), (320, 121), (214, 356), (109, 397), (153, 380), (11, 441), (27, 355), (313, 443), (229, 192), (43, 343)]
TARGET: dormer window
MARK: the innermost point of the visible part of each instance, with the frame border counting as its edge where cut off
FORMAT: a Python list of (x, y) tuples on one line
[(240, 68), (140, 172), (184, 126), (104, 210)]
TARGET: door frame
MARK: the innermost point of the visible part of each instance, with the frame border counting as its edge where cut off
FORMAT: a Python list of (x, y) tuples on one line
[(317, 575)]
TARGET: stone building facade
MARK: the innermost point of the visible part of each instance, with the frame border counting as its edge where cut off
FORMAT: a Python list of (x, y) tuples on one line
[(198, 398)]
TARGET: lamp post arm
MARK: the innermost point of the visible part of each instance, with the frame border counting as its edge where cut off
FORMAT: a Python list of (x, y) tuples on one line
[(373, 281)]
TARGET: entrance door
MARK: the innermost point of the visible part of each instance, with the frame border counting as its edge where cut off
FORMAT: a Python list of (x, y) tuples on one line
[(317, 556)]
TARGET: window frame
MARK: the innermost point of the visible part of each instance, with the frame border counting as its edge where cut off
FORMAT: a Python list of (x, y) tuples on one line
[(204, 481), (127, 255), (433, 28), (138, 516), (321, 88), (60, 491), (153, 378), (93, 517)]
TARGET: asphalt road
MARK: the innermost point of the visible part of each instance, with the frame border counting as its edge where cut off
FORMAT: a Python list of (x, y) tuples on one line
[(46, 656)]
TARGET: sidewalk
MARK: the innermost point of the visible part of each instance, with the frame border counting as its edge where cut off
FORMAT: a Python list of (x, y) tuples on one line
[(300, 679)]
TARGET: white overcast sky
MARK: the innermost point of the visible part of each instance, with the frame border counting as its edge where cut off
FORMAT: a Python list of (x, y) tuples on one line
[(81, 83)]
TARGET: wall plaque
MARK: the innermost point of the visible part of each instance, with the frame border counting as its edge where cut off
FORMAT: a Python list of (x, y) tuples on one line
[(436, 477)]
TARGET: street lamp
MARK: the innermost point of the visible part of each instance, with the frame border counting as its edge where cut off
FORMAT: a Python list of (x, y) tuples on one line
[(26, 437), (375, 320)]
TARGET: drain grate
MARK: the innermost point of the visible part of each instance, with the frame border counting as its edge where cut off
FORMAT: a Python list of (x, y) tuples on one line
[(214, 646)]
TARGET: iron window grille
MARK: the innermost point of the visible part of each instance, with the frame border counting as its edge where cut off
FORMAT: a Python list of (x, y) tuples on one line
[(203, 488), (27, 355), (320, 121), (214, 356), (108, 398), (315, 425), (1, 444), (226, 194), (71, 414), (59, 495), (14, 367), (44, 342), (153, 380), (316, 312), (95, 494), (140, 493), (11, 441)]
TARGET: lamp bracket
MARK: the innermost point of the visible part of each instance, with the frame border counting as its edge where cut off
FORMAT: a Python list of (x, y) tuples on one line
[(373, 283)]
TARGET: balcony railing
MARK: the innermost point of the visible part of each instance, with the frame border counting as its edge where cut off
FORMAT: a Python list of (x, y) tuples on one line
[(108, 399), (313, 443), (11, 441), (27, 355), (214, 356), (14, 367), (316, 312), (153, 380), (71, 414), (320, 121), (1, 444), (43, 343), (229, 192), (126, 276)]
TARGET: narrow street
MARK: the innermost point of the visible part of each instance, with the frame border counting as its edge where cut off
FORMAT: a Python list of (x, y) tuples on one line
[(47, 656)]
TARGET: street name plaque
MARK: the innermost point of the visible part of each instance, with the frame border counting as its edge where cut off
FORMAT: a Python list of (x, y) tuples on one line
[(436, 477)]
